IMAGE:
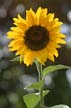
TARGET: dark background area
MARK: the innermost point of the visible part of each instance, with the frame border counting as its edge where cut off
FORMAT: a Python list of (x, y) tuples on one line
[(15, 76)]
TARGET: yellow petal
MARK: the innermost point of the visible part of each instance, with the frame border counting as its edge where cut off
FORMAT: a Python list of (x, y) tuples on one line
[(55, 30), (50, 56), (55, 52), (61, 36), (28, 59), (38, 12), (20, 22), (30, 17), (17, 29), (50, 17), (15, 35), (15, 43), (60, 41), (42, 16)]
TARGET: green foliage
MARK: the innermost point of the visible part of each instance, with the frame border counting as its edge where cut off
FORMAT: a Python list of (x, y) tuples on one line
[(60, 106), (31, 100), (56, 106), (50, 69), (16, 59), (36, 85)]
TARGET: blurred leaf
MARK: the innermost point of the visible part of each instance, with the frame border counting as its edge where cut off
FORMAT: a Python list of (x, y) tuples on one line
[(31, 100), (56, 106), (50, 69), (36, 85), (60, 106), (16, 59), (35, 61)]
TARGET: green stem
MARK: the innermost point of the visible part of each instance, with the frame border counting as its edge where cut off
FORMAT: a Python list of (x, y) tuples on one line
[(39, 68)]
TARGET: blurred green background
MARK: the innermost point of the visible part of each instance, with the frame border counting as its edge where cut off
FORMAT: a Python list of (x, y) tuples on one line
[(15, 76)]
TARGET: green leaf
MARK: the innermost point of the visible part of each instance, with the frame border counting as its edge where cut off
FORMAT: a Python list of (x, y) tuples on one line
[(35, 61), (50, 69), (16, 59), (31, 100), (45, 92), (60, 106), (36, 85), (56, 106)]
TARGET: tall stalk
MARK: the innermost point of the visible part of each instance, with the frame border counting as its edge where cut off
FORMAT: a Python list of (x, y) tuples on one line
[(39, 68)]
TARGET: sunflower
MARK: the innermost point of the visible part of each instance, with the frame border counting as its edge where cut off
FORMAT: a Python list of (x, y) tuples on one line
[(36, 37)]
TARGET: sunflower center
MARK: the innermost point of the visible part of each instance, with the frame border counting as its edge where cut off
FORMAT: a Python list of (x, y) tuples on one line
[(36, 37)]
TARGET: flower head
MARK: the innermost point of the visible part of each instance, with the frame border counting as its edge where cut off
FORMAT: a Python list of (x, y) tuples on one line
[(36, 37)]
